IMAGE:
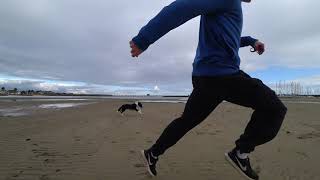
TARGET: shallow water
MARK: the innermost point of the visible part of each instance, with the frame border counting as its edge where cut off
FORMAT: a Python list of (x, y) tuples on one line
[(12, 112), (24, 110), (61, 105)]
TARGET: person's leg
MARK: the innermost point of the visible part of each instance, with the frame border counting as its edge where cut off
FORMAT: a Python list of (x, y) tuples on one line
[(265, 121), (268, 115), (200, 104)]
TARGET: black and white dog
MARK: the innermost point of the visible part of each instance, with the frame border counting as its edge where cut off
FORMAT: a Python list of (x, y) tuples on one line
[(137, 106)]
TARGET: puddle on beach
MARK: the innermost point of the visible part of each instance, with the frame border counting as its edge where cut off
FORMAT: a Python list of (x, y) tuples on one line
[(12, 112), (61, 105), (162, 101), (25, 110)]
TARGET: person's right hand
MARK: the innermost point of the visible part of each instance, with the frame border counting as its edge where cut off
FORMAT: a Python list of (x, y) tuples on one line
[(135, 51), (259, 47)]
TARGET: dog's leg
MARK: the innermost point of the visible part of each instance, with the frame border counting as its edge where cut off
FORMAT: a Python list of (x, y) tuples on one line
[(121, 110)]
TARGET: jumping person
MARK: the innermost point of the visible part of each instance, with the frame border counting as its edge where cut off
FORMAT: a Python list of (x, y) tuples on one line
[(216, 77)]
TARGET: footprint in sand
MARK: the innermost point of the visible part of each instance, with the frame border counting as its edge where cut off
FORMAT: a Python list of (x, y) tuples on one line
[(138, 165), (200, 132), (309, 135), (279, 150), (76, 138), (48, 161), (257, 169), (44, 177), (303, 154), (17, 175)]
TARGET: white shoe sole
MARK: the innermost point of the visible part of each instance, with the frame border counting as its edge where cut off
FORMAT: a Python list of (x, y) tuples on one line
[(236, 167), (146, 163)]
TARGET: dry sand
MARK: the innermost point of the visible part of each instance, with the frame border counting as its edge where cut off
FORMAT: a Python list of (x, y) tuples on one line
[(93, 142)]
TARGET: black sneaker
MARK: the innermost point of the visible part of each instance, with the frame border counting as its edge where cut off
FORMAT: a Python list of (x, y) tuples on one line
[(150, 162), (242, 165)]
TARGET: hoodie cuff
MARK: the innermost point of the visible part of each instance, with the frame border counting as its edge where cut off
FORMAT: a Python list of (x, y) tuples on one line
[(247, 41), (252, 41), (141, 42)]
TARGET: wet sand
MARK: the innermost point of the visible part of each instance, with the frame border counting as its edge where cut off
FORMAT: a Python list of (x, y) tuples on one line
[(94, 142)]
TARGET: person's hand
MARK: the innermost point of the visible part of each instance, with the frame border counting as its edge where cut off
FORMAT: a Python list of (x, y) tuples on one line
[(135, 51), (259, 47)]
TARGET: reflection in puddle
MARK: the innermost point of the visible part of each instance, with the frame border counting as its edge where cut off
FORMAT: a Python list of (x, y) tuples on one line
[(12, 112), (26, 110), (61, 105), (163, 101)]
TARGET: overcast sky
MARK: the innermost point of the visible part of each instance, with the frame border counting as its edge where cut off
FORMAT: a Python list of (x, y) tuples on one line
[(83, 46)]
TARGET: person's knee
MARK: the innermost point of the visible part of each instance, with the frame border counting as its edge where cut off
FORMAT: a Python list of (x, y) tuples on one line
[(277, 120), (271, 135), (282, 110), (277, 116), (278, 110)]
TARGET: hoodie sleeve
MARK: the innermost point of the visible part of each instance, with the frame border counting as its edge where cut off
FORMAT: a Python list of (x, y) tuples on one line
[(174, 15), (247, 41)]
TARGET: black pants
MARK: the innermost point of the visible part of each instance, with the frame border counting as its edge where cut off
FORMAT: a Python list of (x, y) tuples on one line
[(239, 88)]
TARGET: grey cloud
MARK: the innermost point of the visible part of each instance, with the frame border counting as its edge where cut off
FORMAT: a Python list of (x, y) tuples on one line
[(87, 41), (290, 30)]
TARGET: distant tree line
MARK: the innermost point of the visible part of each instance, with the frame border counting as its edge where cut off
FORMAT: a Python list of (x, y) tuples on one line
[(283, 88), (6, 92), (15, 91)]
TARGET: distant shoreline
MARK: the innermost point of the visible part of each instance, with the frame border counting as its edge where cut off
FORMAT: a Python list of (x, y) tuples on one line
[(91, 97), (126, 96)]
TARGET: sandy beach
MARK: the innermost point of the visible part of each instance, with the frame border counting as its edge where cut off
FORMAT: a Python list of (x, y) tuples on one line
[(93, 142)]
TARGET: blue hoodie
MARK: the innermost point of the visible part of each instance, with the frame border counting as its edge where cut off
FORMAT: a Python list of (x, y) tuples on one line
[(219, 34)]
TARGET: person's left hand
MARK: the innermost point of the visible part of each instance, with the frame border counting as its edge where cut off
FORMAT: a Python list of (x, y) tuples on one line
[(259, 47), (135, 50)]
